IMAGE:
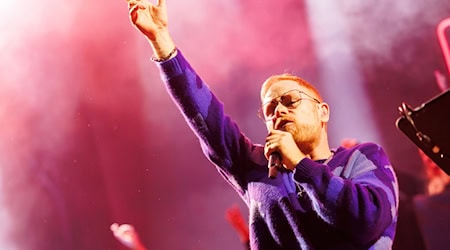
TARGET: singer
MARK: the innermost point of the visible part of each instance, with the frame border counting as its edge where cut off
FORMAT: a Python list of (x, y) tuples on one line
[(317, 198)]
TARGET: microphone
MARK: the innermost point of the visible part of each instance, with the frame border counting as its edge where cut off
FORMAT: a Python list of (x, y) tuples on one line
[(274, 164)]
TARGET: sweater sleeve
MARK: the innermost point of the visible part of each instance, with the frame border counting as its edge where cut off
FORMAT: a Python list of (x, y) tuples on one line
[(358, 196), (220, 137)]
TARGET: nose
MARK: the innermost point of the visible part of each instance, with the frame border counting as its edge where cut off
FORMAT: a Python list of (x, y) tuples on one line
[(280, 109)]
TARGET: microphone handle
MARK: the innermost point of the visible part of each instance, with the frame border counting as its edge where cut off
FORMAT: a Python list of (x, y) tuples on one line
[(274, 164)]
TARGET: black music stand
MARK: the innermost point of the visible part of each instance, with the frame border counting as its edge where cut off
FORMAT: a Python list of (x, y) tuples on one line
[(428, 126)]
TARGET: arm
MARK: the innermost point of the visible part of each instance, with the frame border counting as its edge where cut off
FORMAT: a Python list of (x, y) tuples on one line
[(220, 137), (360, 197)]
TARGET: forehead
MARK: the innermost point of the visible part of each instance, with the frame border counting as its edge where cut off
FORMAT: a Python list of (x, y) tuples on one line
[(279, 88)]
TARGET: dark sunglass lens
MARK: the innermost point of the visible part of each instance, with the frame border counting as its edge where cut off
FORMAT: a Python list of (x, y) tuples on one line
[(268, 109), (290, 98)]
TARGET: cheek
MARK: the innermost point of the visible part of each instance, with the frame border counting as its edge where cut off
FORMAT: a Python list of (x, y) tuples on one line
[(307, 127), (307, 119)]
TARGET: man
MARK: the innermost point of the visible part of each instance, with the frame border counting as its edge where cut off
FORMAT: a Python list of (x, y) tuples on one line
[(316, 198)]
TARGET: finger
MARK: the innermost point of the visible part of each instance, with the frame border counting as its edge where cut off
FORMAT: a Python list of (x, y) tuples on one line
[(269, 148), (132, 3), (272, 141), (133, 14), (161, 3), (125, 228), (133, 10), (114, 226)]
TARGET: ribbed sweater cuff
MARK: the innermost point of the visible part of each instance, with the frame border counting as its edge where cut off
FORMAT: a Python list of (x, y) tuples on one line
[(306, 170), (172, 67)]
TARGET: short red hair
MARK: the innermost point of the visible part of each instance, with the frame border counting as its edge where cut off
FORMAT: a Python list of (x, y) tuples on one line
[(286, 76)]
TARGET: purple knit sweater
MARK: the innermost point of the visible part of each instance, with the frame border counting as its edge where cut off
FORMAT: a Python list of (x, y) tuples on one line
[(347, 202)]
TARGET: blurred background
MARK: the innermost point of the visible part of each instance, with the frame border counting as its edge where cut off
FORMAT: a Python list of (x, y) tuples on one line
[(88, 135)]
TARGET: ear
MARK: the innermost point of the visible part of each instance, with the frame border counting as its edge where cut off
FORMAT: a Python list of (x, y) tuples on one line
[(324, 111)]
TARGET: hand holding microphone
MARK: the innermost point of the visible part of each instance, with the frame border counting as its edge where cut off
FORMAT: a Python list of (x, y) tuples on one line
[(281, 151)]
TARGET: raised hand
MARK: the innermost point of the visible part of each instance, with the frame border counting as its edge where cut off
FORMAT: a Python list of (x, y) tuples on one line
[(151, 20), (147, 17)]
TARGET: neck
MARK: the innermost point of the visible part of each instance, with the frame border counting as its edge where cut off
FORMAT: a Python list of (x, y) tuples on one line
[(320, 152)]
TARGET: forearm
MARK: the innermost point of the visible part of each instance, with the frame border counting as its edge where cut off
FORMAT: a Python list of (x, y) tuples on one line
[(162, 45), (202, 110), (221, 139), (367, 209)]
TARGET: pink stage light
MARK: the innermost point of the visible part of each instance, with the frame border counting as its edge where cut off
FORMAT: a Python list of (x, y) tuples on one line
[(443, 41)]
